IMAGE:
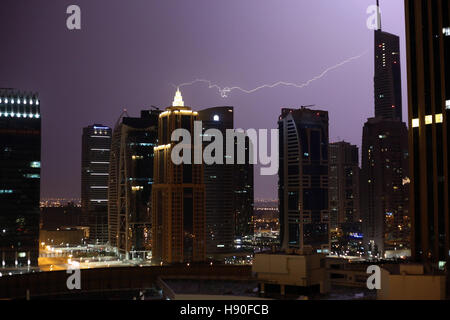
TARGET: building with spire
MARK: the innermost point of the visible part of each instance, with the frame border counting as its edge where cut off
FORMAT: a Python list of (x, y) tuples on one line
[(178, 194), (384, 158), (387, 79)]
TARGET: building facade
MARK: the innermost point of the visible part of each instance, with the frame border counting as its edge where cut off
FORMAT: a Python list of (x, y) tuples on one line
[(95, 153), (388, 79), (178, 194), (20, 166), (345, 223), (428, 52), (130, 184), (344, 184), (303, 179), (243, 200), (384, 158), (229, 189), (384, 187)]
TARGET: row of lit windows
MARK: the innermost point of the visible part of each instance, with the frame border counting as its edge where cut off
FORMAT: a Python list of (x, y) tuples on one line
[(428, 120), (20, 115), (19, 101)]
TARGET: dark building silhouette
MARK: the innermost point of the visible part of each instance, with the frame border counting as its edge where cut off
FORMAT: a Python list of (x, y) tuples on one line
[(428, 52), (388, 78), (64, 216), (20, 167), (178, 194), (243, 199), (384, 187), (130, 184), (95, 152), (384, 158), (303, 179), (219, 192), (229, 189), (344, 184)]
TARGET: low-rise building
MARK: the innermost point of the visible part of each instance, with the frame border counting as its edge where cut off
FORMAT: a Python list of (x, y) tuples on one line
[(295, 273), (410, 282)]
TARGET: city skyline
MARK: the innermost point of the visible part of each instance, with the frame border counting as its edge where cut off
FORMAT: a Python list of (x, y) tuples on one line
[(60, 65), (356, 164)]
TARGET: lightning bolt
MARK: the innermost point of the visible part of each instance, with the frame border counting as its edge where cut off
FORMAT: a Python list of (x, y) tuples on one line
[(224, 91)]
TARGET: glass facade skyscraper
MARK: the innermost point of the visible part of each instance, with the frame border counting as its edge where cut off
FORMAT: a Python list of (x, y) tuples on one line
[(303, 179), (20, 167), (344, 184), (229, 189), (96, 145), (428, 51), (130, 184), (388, 78), (384, 157)]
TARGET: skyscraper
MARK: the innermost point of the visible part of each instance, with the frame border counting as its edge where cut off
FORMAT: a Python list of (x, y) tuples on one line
[(20, 166), (219, 192), (428, 51), (130, 184), (178, 195), (388, 79), (96, 145), (229, 189), (384, 187), (303, 179), (344, 184), (243, 198), (384, 164)]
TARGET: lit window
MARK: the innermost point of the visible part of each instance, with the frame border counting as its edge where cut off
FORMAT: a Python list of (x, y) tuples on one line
[(446, 31), (35, 164), (428, 119), (447, 104), (415, 123), (439, 118), (32, 176)]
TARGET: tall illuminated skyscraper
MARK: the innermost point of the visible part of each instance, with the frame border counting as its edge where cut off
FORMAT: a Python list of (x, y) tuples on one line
[(130, 184), (178, 194), (229, 190), (20, 169), (96, 145), (388, 78), (218, 179), (303, 179), (428, 51), (384, 158)]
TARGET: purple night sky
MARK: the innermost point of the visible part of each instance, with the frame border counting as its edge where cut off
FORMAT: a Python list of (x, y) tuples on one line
[(128, 54)]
